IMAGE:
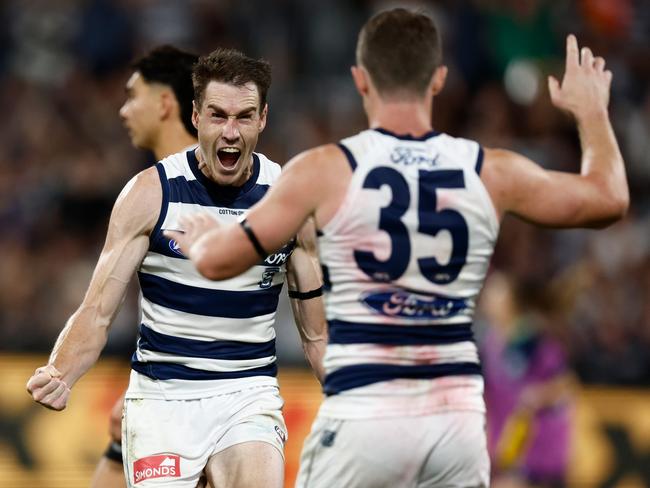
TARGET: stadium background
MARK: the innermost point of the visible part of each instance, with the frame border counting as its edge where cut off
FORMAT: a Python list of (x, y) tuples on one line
[(64, 157)]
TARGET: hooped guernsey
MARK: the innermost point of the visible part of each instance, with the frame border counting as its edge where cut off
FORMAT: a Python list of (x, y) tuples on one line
[(198, 337), (404, 259)]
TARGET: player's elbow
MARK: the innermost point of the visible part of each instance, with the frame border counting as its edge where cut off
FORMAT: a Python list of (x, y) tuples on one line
[(614, 208), (207, 268)]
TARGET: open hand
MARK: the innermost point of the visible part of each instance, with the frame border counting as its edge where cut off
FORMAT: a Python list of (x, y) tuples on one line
[(194, 226), (585, 87), (48, 389)]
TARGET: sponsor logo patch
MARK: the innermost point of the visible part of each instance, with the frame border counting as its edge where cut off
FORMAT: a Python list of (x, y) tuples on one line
[(327, 439), (409, 156), (267, 277), (281, 434), (175, 248), (399, 303), (161, 466)]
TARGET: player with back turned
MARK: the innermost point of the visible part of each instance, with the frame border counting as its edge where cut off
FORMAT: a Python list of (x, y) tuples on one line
[(408, 219)]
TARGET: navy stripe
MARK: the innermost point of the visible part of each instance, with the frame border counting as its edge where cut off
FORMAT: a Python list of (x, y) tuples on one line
[(348, 154), (162, 245), (192, 191), (155, 233), (479, 160), (204, 301), (171, 371), (359, 375), (408, 137), (341, 332), (181, 346)]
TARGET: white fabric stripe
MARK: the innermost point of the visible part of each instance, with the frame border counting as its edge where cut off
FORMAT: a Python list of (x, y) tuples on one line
[(269, 171), (176, 165), (184, 272), (199, 327), (176, 209), (341, 355), (204, 364)]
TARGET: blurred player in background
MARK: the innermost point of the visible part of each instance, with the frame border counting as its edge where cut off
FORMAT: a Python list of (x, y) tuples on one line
[(528, 386), (203, 394), (158, 115), (408, 219)]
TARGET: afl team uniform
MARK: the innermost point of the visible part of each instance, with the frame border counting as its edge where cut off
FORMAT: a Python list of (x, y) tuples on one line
[(404, 259), (204, 372)]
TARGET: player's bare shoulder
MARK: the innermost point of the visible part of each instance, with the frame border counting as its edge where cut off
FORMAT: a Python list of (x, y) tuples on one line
[(325, 157), (503, 173), (138, 205), (323, 174)]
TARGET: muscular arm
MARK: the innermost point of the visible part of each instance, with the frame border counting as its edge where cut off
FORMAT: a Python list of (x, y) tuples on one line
[(598, 195), (313, 184), (303, 276), (84, 335)]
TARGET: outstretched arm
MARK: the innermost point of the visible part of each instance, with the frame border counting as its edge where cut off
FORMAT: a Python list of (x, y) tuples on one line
[(304, 276), (84, 335), (598, 195), (311, 185)]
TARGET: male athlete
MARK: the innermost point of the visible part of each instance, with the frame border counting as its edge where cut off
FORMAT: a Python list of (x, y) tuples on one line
[(203, 396), (158, 115), (409, 218)]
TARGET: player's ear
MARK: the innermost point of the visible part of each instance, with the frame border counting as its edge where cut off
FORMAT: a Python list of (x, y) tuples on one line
[(195, 115), (167, 103), (438, 79), (360, 77), (265, 112)]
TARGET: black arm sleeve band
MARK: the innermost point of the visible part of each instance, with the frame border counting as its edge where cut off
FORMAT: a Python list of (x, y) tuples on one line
[(253, 238), (306, 295), (114, 452)]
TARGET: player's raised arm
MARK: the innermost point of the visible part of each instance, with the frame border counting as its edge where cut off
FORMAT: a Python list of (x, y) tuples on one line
[(305, 293), (84, 335), (598, 195)]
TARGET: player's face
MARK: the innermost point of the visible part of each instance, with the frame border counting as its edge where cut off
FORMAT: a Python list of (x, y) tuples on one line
[(140, 112), (228, 122)]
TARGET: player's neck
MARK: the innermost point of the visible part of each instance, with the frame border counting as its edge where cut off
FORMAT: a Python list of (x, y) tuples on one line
[(172, 139), (401, 117)]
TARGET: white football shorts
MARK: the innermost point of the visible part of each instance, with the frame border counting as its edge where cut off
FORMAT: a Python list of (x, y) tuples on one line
[(440, 450), (168, 442)]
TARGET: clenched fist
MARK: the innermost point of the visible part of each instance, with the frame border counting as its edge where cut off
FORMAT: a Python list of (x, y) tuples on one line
[(48, 389)]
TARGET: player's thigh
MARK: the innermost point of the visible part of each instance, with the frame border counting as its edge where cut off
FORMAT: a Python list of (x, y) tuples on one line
[(108, 474), (250, 453), (459, 456), (374, 453), (251, 464), (165, 443)]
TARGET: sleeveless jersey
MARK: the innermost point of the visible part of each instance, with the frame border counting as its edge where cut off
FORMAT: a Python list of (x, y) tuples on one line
[(404, 259), (200, 337)]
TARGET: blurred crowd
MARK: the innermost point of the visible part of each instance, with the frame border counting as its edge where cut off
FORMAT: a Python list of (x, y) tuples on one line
[(64, 155)]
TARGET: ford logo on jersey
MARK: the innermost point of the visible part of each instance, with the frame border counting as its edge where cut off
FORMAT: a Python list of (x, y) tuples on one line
[(400, 303), (409, 156), (175, 248)]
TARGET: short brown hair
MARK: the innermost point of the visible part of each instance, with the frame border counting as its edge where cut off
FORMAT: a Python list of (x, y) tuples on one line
[(233, 67), (401, 50)]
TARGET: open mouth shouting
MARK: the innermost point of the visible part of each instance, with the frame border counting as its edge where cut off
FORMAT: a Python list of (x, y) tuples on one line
[(228, 157)]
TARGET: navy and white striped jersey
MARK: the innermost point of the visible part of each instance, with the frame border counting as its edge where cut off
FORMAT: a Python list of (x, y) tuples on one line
[(200, 337), (405, 257)]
